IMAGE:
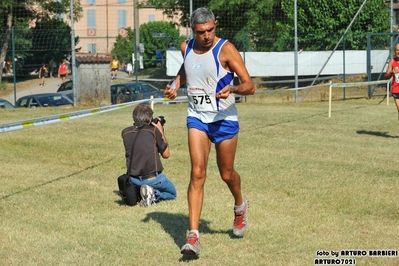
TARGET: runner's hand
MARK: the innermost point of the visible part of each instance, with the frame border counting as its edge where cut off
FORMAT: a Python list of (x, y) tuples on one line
[(170, 93), (224, 93)]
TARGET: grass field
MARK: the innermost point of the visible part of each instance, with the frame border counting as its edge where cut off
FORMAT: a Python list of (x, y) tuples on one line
[(314, 184)]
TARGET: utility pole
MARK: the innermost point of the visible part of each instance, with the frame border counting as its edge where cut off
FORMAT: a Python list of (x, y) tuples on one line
[(73, 68), (136, 39)]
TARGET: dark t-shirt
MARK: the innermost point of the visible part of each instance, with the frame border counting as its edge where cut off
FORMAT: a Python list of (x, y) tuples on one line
[(43, 71), (147, 148)]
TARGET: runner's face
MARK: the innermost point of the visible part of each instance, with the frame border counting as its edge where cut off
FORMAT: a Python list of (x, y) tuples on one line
[(205, 33)]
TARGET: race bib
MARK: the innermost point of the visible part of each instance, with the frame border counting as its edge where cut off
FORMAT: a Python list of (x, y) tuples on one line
[(203, 100)]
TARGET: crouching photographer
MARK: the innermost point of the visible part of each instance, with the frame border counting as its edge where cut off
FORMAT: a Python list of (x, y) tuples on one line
[(145, 141)]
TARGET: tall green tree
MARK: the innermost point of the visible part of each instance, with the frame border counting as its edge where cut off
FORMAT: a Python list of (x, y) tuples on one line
[(158, 35), (268, 25), (154, 36), (23, 16), (51, 37), (246, 23), (124, 46), (322, 23)]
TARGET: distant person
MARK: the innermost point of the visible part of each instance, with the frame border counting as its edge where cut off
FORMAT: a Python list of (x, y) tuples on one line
[(63, 71), (158, 57), (43, 71), (146, 171), (393, 72), (9, 67), (52, 65), (114, 67), (129, 68), (209, 66), (172, 47)]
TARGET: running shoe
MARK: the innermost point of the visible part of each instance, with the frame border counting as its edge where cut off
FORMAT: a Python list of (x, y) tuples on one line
[(240, 220), (192, 246), (147, 194)]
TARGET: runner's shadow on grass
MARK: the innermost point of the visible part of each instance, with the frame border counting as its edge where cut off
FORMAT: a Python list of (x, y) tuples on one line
[(176, 226), (376, 133)]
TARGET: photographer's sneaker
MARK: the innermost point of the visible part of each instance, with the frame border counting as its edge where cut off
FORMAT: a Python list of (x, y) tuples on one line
[(147, 194), (192, 246), (240, 220)]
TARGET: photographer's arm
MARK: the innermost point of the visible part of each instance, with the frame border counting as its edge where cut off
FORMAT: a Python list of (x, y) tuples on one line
[(166, 153)]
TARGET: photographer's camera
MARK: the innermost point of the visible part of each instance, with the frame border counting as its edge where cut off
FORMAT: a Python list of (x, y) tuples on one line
[(160, 119)]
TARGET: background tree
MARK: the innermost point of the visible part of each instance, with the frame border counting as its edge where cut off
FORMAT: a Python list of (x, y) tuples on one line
[(60, 35), (246, 23), (148, 33), (322, 23), (124, 46), (268, 25), (22, 16)]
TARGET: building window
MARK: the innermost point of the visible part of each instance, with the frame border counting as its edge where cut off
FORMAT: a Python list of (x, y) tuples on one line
[(91, 2), (122, 18), (151, 18), (91, 18), (91, 47), (120, 2)]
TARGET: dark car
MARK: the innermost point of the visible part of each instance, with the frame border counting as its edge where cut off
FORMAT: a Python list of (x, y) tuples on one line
[(5, 104), (133, 91), (67, 89), (43, 100)]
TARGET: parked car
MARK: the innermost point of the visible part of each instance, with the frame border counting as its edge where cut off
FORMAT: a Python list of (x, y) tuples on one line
[(5, 104), (120, 93), (133, 91), (67, 89), (43, 100)]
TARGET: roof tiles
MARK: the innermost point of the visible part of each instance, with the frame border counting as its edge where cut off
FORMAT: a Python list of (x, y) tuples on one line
[(93, 57)]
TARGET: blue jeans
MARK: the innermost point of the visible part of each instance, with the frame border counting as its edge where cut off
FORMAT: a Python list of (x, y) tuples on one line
[(164, 188)]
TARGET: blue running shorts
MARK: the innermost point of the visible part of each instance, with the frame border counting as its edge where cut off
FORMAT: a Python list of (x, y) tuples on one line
[(216, 131)]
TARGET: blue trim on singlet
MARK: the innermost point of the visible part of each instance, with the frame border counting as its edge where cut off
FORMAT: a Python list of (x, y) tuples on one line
[(189, 47), (215, 52), (223, 82)]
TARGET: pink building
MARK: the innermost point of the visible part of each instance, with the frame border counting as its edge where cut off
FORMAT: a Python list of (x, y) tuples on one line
[(104, 20)]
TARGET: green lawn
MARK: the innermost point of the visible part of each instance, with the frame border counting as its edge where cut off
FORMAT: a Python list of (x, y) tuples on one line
[(314, 184)]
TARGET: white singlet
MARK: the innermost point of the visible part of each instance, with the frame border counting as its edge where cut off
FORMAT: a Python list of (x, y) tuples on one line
[(205, 78)]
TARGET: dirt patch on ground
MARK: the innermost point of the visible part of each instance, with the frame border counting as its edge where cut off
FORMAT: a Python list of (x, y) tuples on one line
[(21, 84)]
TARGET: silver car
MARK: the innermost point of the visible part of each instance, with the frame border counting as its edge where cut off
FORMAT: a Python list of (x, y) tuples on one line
[(43, 100)]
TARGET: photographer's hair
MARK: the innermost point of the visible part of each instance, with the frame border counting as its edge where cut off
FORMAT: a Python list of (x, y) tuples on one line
[(201, 15), (142, 113)]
